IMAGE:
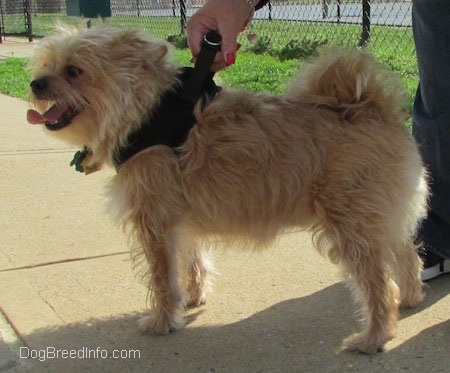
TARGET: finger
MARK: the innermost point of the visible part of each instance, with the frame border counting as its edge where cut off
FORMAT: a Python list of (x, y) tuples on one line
[(194, 40), (196, 28), (229, 30)]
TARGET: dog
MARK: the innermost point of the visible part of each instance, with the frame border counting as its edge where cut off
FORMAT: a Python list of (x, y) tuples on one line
[(330, 155)]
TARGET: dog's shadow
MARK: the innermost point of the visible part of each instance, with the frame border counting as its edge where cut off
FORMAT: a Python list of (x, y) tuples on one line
[(302, 334)]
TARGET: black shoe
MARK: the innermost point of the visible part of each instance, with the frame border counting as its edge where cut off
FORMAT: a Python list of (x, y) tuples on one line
[(433, 265)]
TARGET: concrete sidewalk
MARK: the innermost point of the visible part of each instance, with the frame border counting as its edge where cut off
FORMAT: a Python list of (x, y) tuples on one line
[(67, 285)]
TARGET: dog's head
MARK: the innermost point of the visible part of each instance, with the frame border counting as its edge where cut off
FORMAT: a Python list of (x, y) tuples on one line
[(93, 86)]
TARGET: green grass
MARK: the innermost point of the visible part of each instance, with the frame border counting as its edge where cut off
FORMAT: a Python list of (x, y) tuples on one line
[(253, 72), (256, 73), (43, 24), (13, 77), (396, 39), (259, 73)]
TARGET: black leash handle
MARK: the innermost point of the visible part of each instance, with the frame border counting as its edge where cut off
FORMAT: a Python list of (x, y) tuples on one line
[(211, 44)]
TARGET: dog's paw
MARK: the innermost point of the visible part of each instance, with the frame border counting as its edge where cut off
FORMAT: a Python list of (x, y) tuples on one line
[(196, 300), (196, 296), (160, 323), (413, 298), (364, 343)]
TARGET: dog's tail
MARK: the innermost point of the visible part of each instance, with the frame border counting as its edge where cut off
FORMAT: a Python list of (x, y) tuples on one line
[(347, 81)]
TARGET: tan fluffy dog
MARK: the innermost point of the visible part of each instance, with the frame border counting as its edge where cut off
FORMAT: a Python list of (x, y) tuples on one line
[(330, 155)]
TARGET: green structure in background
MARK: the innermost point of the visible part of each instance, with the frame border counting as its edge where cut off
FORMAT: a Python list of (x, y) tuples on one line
[(89, 8)]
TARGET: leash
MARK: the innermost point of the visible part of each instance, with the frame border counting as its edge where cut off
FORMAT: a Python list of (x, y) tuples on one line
[(211, 44)]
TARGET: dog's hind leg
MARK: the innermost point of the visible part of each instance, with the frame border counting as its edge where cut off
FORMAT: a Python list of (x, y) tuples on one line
[(370, 277), (365, 262), (407, 267)]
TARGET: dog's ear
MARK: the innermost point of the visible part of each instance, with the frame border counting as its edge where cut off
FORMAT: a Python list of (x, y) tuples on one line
[(65, 29), (128, 43), (160, 52), (156, 53)]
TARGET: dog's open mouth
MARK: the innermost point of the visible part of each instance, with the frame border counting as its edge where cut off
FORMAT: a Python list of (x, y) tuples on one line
[(55, 118)]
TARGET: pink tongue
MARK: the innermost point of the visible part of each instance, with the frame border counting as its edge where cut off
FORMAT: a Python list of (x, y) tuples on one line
[(35, 117), (50, 116)]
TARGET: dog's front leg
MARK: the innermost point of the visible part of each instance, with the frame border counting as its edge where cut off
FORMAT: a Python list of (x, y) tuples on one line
[(166, 294), (146, 194)]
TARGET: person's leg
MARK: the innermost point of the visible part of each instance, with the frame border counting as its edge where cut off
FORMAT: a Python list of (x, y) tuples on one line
[(431, 116)]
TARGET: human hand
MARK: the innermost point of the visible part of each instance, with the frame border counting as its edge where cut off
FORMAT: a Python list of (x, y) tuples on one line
[(226, 17)]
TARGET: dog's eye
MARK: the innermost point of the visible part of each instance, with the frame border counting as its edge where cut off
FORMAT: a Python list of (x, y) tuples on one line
[(73, 71)]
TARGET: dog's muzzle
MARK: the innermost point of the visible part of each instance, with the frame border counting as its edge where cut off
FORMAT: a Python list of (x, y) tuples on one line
[(59, 116)]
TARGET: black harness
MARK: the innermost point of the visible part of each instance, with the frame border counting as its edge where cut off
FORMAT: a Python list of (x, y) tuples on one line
[(170, 122)]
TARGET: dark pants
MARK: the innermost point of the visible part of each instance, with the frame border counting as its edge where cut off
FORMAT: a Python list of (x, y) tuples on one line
[(431, 115)]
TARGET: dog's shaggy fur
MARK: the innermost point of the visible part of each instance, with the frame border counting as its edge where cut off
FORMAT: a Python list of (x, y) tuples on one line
[(330, 155)]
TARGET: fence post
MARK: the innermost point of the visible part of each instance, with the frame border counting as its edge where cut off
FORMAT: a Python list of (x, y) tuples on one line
[(325, 9), (365, 33), (2, 25), (183, 16), (27, 14)]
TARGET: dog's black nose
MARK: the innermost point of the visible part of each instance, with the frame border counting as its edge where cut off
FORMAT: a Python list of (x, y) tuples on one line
[(39, 86)]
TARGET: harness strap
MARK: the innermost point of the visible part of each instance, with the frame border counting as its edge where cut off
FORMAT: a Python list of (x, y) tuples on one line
[(169, 124)]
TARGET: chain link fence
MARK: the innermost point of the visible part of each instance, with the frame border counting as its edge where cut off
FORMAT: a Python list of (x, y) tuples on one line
[(284, 24)]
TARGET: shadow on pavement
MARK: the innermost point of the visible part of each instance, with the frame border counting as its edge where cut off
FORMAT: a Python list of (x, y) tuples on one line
[(301, 334)]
